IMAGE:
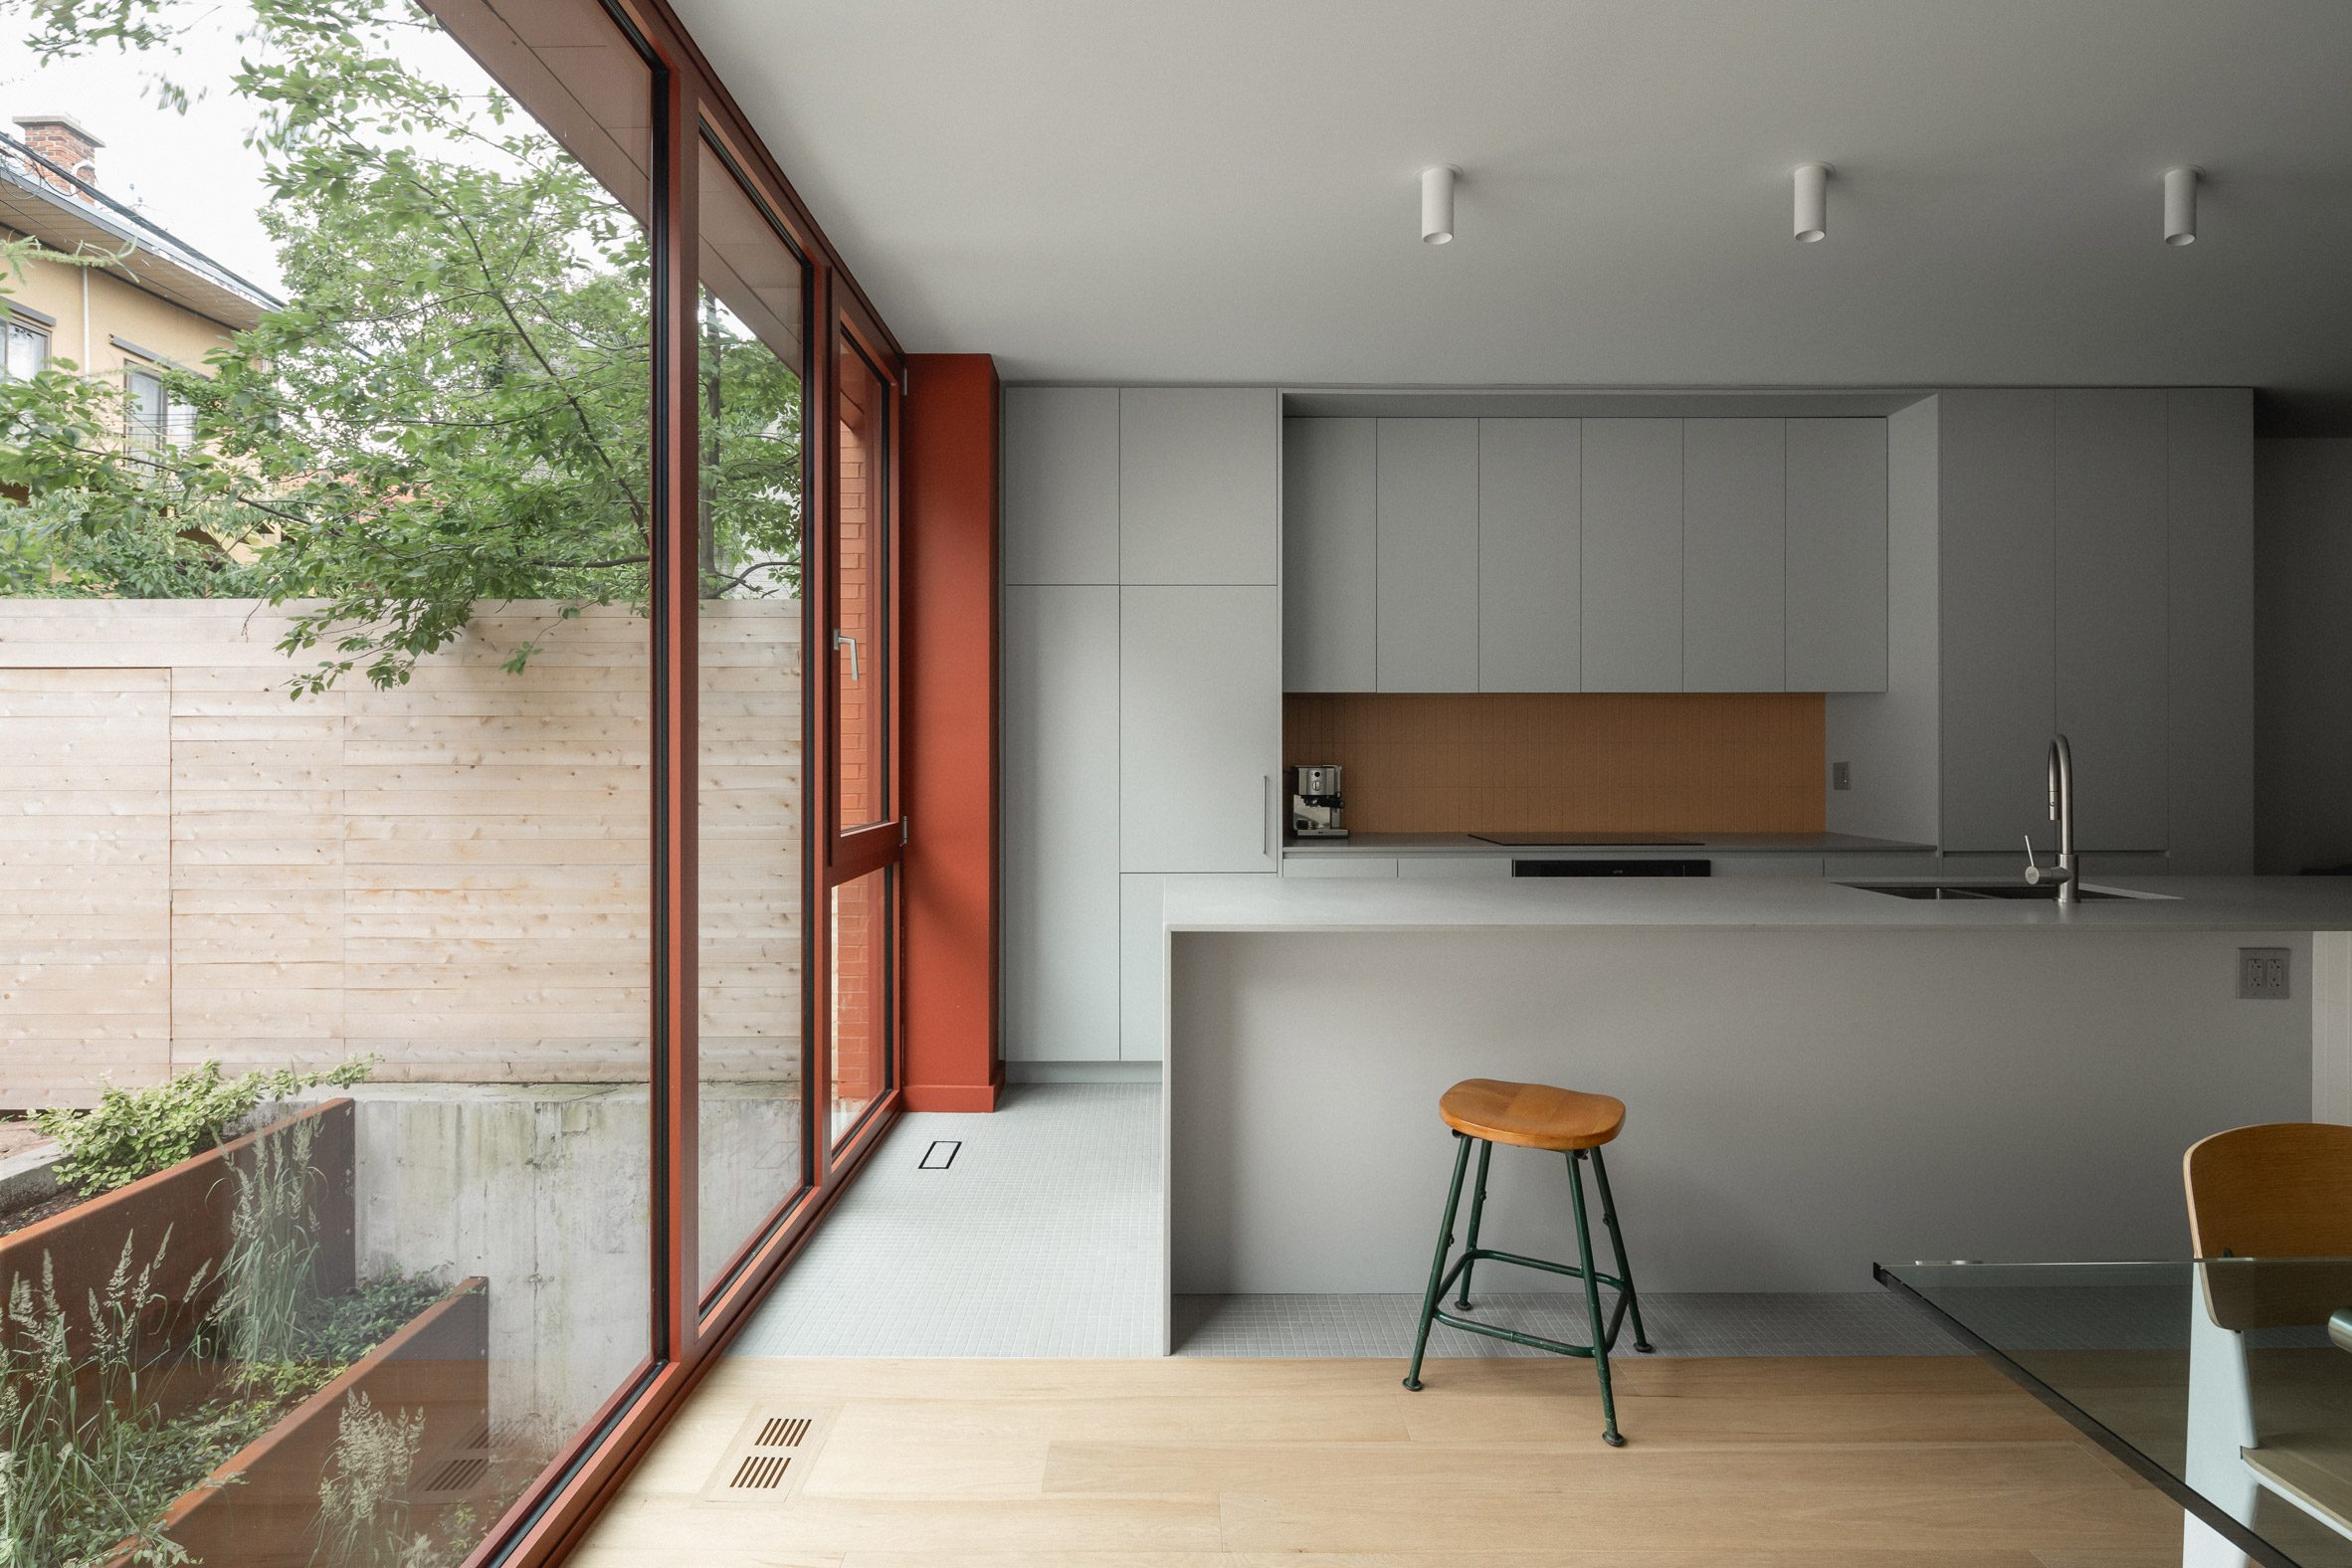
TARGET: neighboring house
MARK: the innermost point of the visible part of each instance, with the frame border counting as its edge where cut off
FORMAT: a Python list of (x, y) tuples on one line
[(161, 303)]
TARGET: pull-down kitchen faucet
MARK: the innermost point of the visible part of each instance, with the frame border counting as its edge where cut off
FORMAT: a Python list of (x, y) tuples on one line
[(2068, 872)]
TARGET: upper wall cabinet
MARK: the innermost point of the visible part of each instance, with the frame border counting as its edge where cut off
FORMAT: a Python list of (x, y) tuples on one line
[(2109, 642), (1734, 545), (1062, 484), (1529, 549), (1199, 486), (1427, 622), (1632, 599), (1330, 581), (1837, 555), (2095, 552), (1595, 556)]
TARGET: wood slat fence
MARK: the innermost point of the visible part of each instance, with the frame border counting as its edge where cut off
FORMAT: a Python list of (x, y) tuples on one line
[(452, 873)]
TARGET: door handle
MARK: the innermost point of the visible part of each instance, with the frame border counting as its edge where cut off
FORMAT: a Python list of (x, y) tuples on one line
[(1266, 816), (841, 640)]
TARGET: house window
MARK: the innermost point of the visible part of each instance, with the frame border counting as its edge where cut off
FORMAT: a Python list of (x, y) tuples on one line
[(157, 418), (26, 350)]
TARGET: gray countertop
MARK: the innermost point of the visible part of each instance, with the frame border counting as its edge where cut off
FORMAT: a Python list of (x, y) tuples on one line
[(1701, 843), (2191, 904)]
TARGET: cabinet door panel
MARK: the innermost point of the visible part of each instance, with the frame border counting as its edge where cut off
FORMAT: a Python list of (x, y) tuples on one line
[(1632, 555), (1529, 599), (1998, 653), (1329, 539), (1061, 744), (1734, 550), (1200, 729), (1200, 484), (2112, 589), (2208, 437), (1836, 569), (1062, 484), (1428, 630), (1142, 970)]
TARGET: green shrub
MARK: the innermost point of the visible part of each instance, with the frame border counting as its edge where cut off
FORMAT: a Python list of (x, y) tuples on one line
[(137, 1132)]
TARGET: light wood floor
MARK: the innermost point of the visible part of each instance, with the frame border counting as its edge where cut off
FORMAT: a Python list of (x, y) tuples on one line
[(1497, 1463)]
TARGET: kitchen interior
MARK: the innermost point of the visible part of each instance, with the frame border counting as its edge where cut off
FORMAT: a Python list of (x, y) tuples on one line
[(1900, 768)]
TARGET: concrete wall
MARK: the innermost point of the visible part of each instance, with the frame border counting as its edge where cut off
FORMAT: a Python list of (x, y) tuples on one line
[(1801, 1103), (2303, 654), (543, 1190)]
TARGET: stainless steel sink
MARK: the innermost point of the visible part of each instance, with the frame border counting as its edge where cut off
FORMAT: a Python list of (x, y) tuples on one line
[(2046, 894)]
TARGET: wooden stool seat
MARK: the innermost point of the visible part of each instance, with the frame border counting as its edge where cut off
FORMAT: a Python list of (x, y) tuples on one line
[(1531, 1115)]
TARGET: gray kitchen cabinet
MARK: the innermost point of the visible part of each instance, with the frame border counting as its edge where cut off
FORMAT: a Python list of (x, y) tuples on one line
[(1200, 488), (1062, 484), (1998, 469), (1200, 729), (1454, 868), (1330, 573), (2111, 605), (1837, 555), (1734, 538), (1341, 867), (2209, 471), (1060, 856), (1427, 630), (1142, 973), (1631, 584), (1529, 612)]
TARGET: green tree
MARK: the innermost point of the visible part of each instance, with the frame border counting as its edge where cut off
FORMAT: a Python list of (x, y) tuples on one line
[(449, 408)]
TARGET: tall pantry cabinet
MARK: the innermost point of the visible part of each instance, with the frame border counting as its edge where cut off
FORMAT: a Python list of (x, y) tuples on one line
[(1142, 691)]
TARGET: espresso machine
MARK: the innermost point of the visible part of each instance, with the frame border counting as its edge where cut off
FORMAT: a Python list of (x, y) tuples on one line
[(1316, 810)]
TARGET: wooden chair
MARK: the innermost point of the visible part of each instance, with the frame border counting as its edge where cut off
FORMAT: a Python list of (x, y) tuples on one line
[(2281, 1190)]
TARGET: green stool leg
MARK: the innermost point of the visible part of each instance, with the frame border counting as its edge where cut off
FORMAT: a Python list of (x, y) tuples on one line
[(1592, 1303), (1625, 1270), (1477, 1212), (1437, 1267)]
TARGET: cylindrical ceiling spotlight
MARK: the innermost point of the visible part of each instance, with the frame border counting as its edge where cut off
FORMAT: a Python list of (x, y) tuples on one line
[(2180, 205), (1813, 202), (1437, 204)]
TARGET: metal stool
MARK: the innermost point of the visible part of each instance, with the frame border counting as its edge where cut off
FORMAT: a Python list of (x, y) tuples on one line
[(1487, 1111)]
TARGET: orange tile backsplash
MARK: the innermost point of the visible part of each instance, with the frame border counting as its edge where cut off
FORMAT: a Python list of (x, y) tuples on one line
[(1567, 761)]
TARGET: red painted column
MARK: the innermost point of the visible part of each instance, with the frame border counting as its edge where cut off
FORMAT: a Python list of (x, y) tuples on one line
[(948, 561)]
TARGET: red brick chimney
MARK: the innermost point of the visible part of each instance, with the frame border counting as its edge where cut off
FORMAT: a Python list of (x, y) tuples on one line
[(62, 141)]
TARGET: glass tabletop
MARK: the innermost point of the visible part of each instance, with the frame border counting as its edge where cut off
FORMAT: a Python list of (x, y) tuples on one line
[(2226, 1382)]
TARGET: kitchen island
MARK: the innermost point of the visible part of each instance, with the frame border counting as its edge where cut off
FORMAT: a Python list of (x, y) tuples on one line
[(1819, 1075)]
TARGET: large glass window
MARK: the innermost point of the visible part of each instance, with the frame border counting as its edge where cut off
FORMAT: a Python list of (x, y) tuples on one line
[(752, 1131), (348, 678), (340, 744), (860, 935)]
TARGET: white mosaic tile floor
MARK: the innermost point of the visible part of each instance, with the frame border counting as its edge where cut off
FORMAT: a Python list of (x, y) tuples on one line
[(1041, 1240)]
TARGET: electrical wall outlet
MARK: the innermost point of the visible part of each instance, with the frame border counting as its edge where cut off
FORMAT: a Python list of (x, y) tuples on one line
[(1841, 775), (2263, 974)]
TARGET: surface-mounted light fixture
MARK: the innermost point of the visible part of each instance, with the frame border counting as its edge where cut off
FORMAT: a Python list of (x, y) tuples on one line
[(1813, 202), (1437, 204), (2180, 205)]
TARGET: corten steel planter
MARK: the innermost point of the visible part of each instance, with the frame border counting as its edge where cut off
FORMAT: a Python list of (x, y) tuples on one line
[(258, 1511), (194, 1202)]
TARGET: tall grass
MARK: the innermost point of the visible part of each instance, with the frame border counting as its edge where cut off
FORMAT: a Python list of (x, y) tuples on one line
[(78, 1433), (269, 1291)]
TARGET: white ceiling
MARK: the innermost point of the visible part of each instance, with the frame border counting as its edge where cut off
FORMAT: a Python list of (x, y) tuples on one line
[(1226, 190)]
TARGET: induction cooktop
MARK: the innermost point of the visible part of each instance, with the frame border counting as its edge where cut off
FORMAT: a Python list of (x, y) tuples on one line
[(1582, 840)]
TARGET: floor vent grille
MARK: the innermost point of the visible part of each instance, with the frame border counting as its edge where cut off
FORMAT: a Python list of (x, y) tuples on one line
[(762, 1473), (770, 1454)]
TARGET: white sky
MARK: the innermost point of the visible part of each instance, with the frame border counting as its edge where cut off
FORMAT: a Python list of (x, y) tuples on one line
[(191, 173)]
